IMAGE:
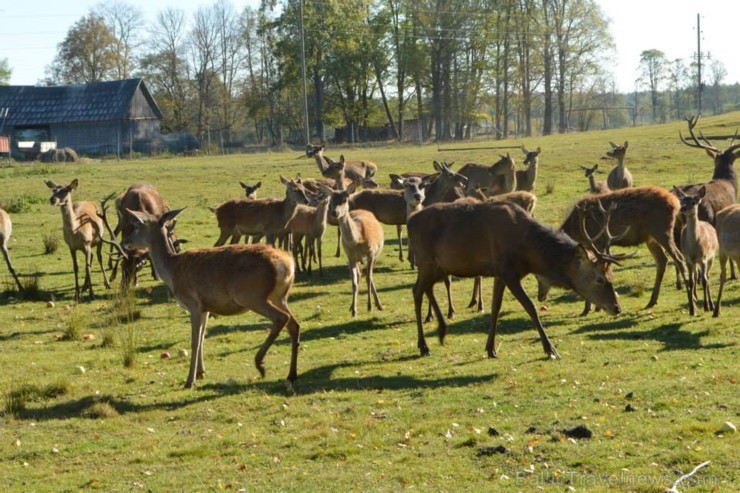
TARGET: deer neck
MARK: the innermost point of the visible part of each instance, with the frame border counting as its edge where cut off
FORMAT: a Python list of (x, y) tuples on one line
[(350, 230), (321, 213), (319, 157), (163, 258), (691, 224), (509, 182), (531, 172), (620, 169), (725, 171), (436, 191), (592, 183), (411, 209), (70, 221), (289, 206)]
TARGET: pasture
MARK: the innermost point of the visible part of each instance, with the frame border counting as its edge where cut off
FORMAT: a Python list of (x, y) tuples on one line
[(367, 413)]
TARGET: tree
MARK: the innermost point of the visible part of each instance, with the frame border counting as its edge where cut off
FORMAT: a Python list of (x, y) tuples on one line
[(5, 72), (124, 22), (652, 67), (86, 54), (718, 72)]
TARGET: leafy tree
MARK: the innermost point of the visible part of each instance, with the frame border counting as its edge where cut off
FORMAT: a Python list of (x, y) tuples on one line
[(86, 54), (5, 72)]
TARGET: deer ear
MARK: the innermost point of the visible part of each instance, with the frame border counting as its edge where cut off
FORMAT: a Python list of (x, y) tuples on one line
[(351, 189), (284, 180), (140, 216), (74, 184), (702, 192), (679, 193), (626, 144), (169, 216), (259, 184), (243, 185), (50, 184), (437, 166), (396, 179)]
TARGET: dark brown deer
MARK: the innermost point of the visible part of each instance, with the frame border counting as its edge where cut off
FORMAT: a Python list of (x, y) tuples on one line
[(721, 190), (699, 246), (526, 178), (6, 228), (501, 240), (593, 185), (619, 177), (224, 281), (650, 214), (728, 234)]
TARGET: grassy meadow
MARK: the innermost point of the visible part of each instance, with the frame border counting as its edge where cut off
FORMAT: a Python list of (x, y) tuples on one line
[(367, 413)]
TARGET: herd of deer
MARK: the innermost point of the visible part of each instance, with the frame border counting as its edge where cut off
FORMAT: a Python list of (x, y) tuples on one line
[(477, 222)]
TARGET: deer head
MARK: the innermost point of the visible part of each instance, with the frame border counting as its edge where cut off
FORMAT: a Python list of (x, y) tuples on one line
[(60, 194), (250, 190)]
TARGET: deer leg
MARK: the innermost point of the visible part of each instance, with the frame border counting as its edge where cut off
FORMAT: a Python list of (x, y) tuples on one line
[(200, 369), (450, 307), (476, 291), (10, 267), (319, 254), (691, 289), (515, 286), (354, 268), (222, 237), (88, 270), (496, 301), (371, 285), (660, 263), (76, 269), (722, 279), (733, 276), (418, 292), (339, 242), (100, 262), (425, 286), (400, 242), (197, 325), (586, 308), (708, 303)]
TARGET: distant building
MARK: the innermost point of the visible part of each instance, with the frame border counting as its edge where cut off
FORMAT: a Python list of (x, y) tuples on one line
[(115, 117)]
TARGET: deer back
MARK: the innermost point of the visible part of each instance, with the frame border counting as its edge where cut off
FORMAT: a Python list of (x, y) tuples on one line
[(477, 176), (728, 231), (388, 206), (142, 197)]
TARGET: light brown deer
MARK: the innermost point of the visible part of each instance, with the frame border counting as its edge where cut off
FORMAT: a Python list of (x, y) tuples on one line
[(83, 230), (728, 234), (431, 177), (501, 240), (619, 177), (413, 195), (362, 240), (250, 191), (650, 214), (224, 281), (526, 178), (593, 185), (259, 217), (6, 228), (357, 171), (698, 246), (309, 224), (497, 178)]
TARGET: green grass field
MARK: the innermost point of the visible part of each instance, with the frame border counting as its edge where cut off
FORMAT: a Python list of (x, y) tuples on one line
[(367, 413)]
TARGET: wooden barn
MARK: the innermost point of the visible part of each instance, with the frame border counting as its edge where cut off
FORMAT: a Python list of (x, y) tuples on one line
[(115, 117)]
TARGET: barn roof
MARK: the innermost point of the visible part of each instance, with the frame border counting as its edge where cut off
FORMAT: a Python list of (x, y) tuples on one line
[(101, 101)]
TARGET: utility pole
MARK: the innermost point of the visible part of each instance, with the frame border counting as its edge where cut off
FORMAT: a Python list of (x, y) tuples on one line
[(306, 132)]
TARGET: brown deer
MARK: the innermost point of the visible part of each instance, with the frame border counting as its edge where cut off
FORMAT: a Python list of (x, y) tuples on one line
[(498, 178), (501, 240), (413, 195), (357, 171), (259, 217), (650, 214), (526, 178), (83, 230), (593, 185), (721, 190), (619, 177), (420, 174), (309, 223), (728, 234), (250, 190), (698, 245), (362, 240), (6, 228), (224, 281)]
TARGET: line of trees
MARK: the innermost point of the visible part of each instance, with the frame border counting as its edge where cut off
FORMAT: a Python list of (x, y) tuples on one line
[(453, 67)]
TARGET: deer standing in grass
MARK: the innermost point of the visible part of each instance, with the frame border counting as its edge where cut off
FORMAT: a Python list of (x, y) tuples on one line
[(362, 240), (619, 177), (593, 185), (6, 228), (501, 240), (497, 178), (698, 245), (83, 230), (526, 178), (309, 223), (224, 281), (721, 190), (356, 171), (728, 234), (259, 217), (413, 195)]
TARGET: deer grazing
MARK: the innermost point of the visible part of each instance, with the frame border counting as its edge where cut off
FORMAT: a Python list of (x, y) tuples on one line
[(259, 217), (309, 224), (224, 281), (728, 234), (6, 228), (83, 230), (525, 178), (698, 245), (356, 171), (619, 177), (362, 240), (721, 190), (593, 185), (649, 212), (501, 240)]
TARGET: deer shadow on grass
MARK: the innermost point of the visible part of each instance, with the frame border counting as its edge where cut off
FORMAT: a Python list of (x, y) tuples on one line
[(671, 335)]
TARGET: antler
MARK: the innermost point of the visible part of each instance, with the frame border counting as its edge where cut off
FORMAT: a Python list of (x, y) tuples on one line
[(104, 208), (610, 238), (692, 123)]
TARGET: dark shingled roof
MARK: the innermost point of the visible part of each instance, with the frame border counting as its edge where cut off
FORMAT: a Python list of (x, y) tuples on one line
[(102, 101)]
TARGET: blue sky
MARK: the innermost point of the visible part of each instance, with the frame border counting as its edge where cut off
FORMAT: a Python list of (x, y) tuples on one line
[(31, 32)]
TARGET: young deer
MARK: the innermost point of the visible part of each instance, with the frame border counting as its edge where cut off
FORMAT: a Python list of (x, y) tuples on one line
[(619, 177), (259, 217), (224, 281), (6, 228), (83, 230), (698, 245), (593, 185), (362, 239), (650, 214), (309, 223), (525, 179), (501, 240), (728, 234), (250, 191)]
